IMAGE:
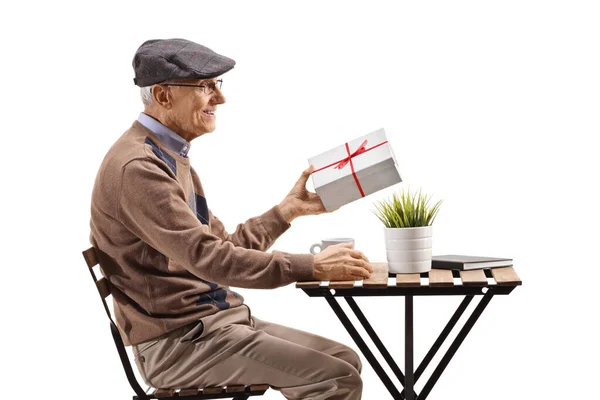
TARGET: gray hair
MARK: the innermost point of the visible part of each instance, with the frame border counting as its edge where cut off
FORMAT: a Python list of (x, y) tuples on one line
[(146, 95)]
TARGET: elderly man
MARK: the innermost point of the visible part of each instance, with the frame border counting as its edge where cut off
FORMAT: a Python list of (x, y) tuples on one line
[(170, 260)]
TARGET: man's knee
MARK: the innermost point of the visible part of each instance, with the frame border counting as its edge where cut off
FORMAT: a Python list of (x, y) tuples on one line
[(355, 385), (356, 361), (358, 382), (352, 358)]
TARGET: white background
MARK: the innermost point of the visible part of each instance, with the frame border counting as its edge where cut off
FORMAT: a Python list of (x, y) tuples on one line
[(491, 107)]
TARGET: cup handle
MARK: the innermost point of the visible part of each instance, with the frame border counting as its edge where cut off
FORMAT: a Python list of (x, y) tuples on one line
[(312, 248)]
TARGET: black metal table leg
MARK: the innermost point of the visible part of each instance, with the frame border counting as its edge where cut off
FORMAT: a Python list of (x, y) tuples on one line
[(408, 348), (363, 347), (440, 340), (371, 332), (455, 344)]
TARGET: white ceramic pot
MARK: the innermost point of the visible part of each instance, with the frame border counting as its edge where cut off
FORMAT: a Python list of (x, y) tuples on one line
[(408, 249)]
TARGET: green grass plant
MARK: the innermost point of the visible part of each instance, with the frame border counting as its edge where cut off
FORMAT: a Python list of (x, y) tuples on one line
[(406, 211)]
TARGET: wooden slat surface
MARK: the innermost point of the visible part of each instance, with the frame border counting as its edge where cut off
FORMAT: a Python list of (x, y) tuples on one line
[(90, 257), (506, 276), (160, 393), (308, 284), (259, 388), (212, 390), (235, 388), (475, 277), (341, 284), (188, 392), (408, 280), (379, 277), (441, 278), (103, 287)]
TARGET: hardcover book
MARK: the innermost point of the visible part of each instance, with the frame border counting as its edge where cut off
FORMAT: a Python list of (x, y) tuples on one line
[(463, 263)]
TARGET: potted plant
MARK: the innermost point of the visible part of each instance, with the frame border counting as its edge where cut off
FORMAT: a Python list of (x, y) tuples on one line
[(408, 220)]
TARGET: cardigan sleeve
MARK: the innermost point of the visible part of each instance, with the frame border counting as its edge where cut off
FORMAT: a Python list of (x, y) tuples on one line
[(151, 204), (256, 233)]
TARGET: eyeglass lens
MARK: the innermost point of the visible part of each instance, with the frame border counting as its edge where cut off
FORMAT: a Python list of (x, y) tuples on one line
[(209, 87)]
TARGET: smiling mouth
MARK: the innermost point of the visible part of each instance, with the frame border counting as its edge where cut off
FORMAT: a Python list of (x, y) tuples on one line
[(209, 113)]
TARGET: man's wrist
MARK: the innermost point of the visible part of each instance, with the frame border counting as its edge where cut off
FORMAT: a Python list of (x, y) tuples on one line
[(287, 211)]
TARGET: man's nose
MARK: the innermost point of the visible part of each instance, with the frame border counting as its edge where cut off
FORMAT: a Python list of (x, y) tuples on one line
[(218, 97)]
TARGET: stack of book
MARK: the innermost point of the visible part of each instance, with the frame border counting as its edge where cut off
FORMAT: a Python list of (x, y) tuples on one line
[(465, 263)]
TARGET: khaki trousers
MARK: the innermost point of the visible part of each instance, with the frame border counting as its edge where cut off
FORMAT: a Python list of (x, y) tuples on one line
[(232, 347)]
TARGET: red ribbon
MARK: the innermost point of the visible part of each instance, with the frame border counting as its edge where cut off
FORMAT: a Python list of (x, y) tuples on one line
[(342, 163)]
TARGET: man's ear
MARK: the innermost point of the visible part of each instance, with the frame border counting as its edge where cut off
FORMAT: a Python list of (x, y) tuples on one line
[(162, 96)]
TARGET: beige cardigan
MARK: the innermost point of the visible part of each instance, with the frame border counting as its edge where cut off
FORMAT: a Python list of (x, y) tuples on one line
[(168, 258)]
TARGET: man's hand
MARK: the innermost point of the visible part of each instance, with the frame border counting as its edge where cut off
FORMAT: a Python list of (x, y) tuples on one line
[(300, 201), (341, 263)]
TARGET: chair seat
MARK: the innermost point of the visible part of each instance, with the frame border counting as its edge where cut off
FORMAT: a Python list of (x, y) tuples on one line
[(210, 392)]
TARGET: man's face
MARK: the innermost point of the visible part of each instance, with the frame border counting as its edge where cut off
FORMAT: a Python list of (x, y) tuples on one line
[(193, 111)]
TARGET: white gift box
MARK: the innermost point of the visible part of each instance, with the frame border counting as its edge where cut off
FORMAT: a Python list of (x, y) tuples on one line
[(354, 170)]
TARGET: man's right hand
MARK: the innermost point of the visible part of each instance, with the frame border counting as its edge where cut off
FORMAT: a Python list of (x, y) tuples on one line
[(340, 262)]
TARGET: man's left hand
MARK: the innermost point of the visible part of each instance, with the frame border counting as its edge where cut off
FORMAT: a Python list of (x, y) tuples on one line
[(300, 201)]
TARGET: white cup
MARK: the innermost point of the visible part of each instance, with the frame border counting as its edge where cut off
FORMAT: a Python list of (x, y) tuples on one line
[(329, 242)]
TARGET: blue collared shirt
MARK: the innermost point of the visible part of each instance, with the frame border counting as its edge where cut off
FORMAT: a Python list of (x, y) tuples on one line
[(169, 138)]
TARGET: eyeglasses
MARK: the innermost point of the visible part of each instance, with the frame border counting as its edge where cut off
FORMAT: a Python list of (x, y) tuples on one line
[(208, 87)]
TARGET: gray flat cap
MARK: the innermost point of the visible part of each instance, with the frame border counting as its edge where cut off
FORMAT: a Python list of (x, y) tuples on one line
[(160, 60)]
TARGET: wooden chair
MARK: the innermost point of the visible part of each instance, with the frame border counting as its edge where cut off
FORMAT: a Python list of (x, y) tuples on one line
[(239, 392)]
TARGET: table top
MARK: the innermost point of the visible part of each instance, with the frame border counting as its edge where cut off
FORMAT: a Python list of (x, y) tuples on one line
[(437, 281)]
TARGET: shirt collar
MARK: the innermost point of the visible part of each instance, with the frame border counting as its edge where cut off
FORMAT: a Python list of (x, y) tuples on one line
[(169, 138)]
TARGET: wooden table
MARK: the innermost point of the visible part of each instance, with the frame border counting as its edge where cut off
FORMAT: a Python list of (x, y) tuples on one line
[(486, 283)]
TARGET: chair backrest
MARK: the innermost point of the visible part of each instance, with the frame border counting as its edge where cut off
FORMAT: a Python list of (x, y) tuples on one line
[(104, 289)]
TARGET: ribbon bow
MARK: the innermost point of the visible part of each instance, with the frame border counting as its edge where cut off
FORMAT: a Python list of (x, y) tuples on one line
[(346, 160)]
